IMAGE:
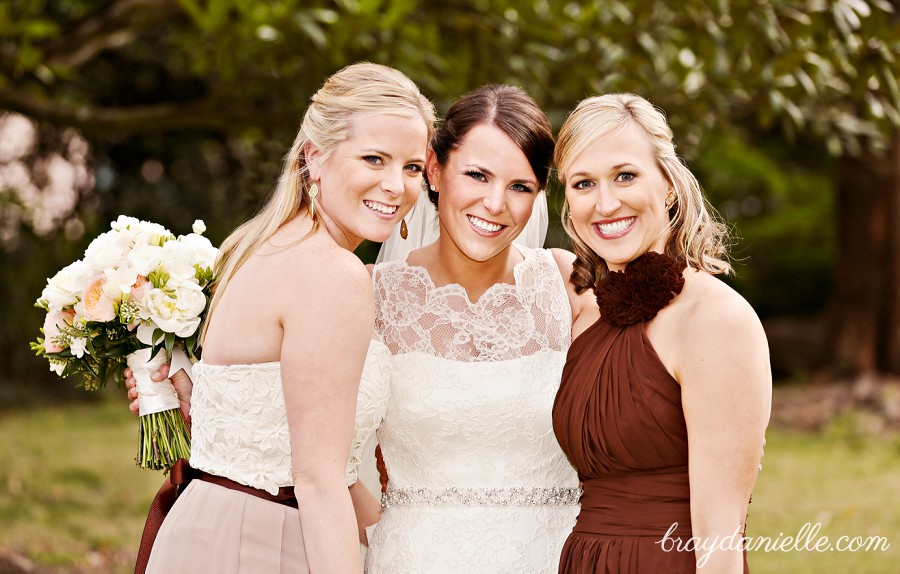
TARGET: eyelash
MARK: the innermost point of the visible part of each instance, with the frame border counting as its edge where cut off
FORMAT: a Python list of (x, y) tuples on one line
[(479, 176), (632, 175), (416, 168), (369, 159)]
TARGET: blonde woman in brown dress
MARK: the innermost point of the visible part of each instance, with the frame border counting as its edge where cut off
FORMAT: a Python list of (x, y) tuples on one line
[(290, 323), (666, 391)]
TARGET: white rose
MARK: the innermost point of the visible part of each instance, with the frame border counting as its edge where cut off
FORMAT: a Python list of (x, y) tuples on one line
[(64, 288), (199, 227), (144, 258), (106, 251), (203, 252), (150, 233), (125, 223), (119, 281), (177, 261), (176, 310)]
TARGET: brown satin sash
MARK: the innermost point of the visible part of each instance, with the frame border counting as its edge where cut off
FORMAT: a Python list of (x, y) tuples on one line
[(180, 476)]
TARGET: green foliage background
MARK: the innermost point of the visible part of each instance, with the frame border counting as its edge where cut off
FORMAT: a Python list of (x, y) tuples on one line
[(189, 105)]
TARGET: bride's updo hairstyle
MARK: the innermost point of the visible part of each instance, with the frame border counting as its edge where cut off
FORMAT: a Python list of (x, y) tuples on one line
[(362, 88), (695, 232), (506, 108)]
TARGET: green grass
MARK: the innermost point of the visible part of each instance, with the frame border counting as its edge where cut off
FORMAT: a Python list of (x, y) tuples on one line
[(846, 482), (71, 497), (70, 493)]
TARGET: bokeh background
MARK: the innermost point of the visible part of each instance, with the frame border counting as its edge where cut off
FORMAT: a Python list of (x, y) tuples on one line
[(173, 110)]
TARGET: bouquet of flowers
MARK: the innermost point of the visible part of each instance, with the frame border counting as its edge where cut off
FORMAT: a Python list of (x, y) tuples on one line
[(136, 299)]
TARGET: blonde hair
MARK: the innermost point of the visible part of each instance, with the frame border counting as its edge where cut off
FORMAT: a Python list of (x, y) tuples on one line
[(696, 232), (359, 88)]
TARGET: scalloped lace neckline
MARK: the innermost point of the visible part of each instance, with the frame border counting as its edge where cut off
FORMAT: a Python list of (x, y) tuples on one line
[(455, 288)]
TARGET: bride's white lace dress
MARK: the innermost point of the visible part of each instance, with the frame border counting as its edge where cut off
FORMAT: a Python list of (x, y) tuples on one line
[(477, 481)]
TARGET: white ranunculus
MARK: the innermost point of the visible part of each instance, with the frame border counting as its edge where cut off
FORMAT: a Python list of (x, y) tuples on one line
[(106, 251), (177, 261), (64, 288), (204, 254), (199, 227), (175, 310), (145, 258)]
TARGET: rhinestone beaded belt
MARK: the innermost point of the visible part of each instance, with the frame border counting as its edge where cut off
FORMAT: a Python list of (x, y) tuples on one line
[(519, 496)]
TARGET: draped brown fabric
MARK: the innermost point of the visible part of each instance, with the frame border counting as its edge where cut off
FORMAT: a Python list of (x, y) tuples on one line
[(618, 418)]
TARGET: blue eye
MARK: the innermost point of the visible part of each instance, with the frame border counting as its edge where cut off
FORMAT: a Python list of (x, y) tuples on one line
[(373, 159), (415, 168), (626, 176), (521, 187), (583, 184), (476, 175)]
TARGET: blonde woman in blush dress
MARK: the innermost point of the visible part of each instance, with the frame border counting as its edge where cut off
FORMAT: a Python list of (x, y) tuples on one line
[(666, 391), (284, 346)]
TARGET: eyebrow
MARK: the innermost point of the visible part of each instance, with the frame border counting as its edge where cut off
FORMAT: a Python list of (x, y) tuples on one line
[(492, 174), (613, 168)]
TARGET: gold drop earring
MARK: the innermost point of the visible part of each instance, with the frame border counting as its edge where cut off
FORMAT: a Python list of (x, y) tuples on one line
[(670, 199), (313, 192)]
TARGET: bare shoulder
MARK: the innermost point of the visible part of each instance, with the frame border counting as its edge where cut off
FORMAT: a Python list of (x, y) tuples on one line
[(716, 324), (315, 268), (579, 302), (564, 260)]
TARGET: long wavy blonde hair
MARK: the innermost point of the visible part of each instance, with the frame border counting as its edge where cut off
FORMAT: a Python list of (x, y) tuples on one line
[(359, 88), (695, 232)]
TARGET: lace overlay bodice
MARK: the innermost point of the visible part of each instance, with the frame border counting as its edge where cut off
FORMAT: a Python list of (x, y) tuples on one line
[(239, 422), (507, 322), (478, 482)]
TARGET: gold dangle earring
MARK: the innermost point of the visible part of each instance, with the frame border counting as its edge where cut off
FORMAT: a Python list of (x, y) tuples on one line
[(670, 199), (313, 192)]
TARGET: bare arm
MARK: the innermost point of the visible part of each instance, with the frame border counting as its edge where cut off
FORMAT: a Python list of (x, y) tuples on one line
[(366, 507), (326, 335), (726, 383)]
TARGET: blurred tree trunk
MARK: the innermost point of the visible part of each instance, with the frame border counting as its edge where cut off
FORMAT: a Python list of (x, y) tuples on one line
[(865, 311)]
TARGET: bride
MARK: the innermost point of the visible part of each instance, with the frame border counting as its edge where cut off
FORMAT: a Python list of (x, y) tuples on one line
[(478, 330)]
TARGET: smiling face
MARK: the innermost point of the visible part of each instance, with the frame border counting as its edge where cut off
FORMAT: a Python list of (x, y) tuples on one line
[(616, 194), (372, 179), (486, 191)]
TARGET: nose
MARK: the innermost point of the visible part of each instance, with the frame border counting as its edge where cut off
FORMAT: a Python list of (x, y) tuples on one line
[(392, 183), (607, 202), (495, 200)]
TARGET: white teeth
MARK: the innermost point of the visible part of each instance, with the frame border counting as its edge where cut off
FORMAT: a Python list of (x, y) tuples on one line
[(380, 207), (485, 225), (615, 227)]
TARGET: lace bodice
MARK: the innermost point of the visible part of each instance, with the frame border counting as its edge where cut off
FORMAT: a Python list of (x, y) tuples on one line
[(507, 322), (477, 479), (239, 422)]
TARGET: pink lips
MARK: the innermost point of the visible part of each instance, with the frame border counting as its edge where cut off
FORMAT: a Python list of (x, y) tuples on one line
[(613, 228)]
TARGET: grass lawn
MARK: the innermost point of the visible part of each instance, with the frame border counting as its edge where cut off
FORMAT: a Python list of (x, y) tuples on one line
[(71, 498)]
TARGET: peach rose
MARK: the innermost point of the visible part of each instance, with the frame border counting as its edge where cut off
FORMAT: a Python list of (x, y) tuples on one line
[(97, 305), (52, 325), (138, 289)]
